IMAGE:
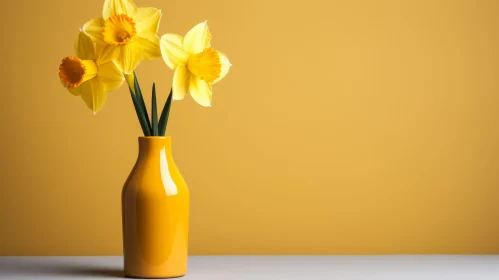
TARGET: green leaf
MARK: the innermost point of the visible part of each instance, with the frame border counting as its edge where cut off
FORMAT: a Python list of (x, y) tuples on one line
[(140, 100), (163, 120), (154, 112), (140, 114)]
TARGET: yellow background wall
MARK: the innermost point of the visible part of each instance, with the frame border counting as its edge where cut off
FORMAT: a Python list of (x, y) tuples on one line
[(344, 127)]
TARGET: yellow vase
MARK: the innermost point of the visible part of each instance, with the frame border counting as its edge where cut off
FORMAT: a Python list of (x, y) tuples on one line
[(155, 211)]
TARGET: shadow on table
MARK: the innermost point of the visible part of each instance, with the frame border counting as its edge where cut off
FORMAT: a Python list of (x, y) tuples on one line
[(59, 270), (90, 272)]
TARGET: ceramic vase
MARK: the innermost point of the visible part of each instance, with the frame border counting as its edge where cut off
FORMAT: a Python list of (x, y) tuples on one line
[(155, 212)]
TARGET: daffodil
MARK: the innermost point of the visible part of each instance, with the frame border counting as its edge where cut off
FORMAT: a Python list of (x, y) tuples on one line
[(197, 66), (129, 35), (90, 74)]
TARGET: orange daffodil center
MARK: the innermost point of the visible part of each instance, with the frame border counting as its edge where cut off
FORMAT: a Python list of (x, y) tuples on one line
[(73, 71), (118, 30)]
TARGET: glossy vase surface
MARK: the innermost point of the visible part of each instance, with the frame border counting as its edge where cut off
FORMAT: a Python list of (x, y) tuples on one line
[(155, 212)]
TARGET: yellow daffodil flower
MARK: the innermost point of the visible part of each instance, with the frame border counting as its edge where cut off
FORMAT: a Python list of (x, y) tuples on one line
[(197, 66), (128, 34), (90, 74)]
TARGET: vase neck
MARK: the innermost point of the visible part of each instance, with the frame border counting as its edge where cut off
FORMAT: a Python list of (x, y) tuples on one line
[(153, 146)]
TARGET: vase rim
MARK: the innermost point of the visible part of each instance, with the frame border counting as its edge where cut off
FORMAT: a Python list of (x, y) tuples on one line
[(154, 137)]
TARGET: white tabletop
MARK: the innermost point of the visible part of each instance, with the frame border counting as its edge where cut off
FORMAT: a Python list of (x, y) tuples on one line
[(400, 267)]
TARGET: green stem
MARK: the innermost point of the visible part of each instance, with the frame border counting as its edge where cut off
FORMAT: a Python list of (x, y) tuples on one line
[(163, 120), (140, 99), (140, 114), (154, 112)]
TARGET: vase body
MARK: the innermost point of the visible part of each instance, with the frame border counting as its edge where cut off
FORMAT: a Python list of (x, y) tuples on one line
[(155, 212)]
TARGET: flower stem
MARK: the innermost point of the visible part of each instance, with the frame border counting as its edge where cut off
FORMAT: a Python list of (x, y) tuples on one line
[(165, 113), (154, 112), (141, 114)]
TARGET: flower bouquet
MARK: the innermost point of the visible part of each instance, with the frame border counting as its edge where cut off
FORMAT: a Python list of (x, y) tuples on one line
[(155, 197)]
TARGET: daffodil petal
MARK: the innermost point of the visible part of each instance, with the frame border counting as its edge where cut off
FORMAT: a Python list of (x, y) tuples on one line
[(110, 77), (75, 91), (93, 28), (147, 21), (93, 95), (150, 47), (129, 57), (84, 47), (106, 53), (224, 61), (197, 39), (171, 50), (180, 85), (118, 7), (200, 91)]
